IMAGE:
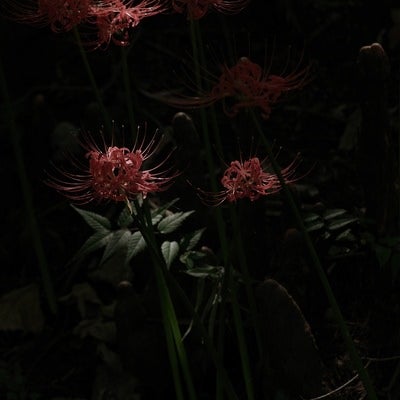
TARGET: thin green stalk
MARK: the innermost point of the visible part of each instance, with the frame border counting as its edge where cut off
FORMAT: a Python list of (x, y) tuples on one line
[(27, 196), (217, 357), (95, 88), (219, 390), (172, 329), (199, 59), (234, 215), (168, 314), (128, 91), (246, 278), (170, 280), (237, 319), (167, 307), (398, 159), (354, 356), (170, 307), (173, 359), (195, 35), (237, 235)]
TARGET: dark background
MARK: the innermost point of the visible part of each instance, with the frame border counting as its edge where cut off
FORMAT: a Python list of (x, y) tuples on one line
[(48, 87)]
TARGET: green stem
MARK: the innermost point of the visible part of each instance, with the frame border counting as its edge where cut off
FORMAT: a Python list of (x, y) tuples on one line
[(167, 307), (398, 159), (168, 314), (199, 59), (27, 196), (173, 359), (216, 356), (354, 356), (170, 307), (170, 280), (237, 319), (93, 83), (246, 278), (128, 91), (196, 39)]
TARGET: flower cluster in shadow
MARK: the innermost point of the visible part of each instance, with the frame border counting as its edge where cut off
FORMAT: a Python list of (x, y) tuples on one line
[(103, 22)]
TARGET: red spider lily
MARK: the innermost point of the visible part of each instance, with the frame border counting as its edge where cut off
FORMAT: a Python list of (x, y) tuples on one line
[(112, 19), (244, 85), (249, 180), (61, 15), (115, 21), (196, 9), (115, 173), (250, 86)]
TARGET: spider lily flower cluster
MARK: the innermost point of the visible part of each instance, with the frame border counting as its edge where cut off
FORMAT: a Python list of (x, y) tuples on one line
[(248, 179), (60, 15), (108, 21), (117, 173), (103, 21), (113, 174), (196, 9), (115, 20), (245, 85)]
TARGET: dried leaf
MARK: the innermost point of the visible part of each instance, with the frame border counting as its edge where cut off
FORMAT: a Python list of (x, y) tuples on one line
[(82, 294), (96, 328), (292, 358), (20, 310)]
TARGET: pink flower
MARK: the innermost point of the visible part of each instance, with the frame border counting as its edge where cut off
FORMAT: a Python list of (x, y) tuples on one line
[(250, 86), (115, 21), (61, 15), (249, 180), (115, 173), (196, 9), (108, 21), (244, 85)]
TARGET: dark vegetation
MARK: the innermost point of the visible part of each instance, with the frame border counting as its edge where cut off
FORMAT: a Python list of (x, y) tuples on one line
[(107, 338)]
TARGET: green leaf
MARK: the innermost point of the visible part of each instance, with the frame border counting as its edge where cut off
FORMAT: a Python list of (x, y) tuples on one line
[(333, 213), (315, 225), (335, 251), (169, 251), (157, 214), (309, 217), (136, 244), (160, 210), (95, 242), (190, 240), (155, 219), (192, 258), (173, 222), (125, 218), (346, 236), (96, 221), (118, 242), (205, 271), (199, 300), (341, 223)]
